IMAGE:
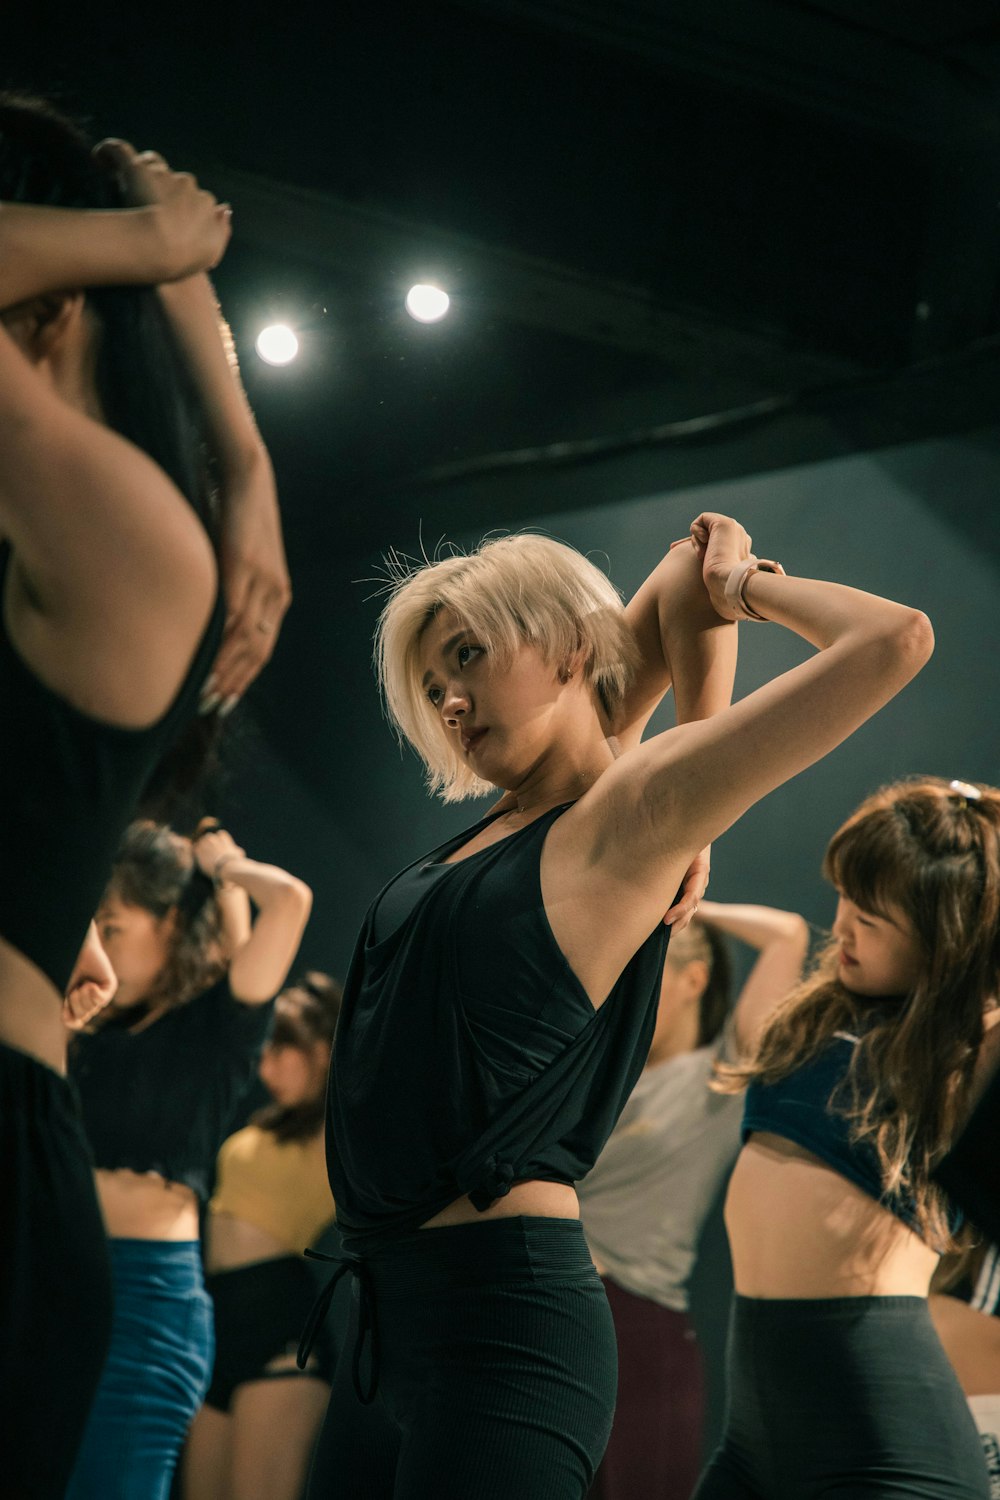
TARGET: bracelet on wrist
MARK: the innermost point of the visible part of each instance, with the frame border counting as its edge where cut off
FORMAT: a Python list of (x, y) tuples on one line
[(735, 587), (218, 870)]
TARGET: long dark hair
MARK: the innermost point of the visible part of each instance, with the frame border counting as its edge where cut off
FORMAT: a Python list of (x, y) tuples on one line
[(304, 1014), (142, 381), (155, 868), (141, 378), (930, 849)]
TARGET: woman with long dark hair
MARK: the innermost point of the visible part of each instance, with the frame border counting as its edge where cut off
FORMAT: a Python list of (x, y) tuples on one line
[(253, 1437), (837, 1380), (502, 997), (160, 1075), (110, 398)]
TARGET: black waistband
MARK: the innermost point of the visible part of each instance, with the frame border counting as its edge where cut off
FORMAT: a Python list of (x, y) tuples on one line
[(428, 1261)]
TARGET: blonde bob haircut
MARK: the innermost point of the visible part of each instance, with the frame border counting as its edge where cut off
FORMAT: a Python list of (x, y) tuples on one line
[(510, 591)]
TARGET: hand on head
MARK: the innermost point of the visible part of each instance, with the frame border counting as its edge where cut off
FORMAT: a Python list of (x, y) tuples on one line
[(191, 229), (213, 847)]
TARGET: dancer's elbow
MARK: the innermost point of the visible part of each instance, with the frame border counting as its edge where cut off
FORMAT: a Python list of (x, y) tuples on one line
[(912, 640)]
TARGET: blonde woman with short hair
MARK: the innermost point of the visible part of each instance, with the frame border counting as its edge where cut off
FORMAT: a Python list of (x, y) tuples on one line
[(503, 994)]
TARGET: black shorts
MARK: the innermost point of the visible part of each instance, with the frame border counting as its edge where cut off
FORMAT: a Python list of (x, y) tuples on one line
[(260, 1311), (55, 1279)]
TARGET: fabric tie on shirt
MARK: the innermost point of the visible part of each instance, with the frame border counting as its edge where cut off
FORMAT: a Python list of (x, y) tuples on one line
[(356, 1266), (496, 1182)]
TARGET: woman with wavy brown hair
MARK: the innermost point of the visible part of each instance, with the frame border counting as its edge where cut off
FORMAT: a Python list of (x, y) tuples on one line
[(837, 1380), (159, 1075)]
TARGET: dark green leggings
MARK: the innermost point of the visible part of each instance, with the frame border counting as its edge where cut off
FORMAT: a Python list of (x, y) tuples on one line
[(496, 1368), (848, 1398)]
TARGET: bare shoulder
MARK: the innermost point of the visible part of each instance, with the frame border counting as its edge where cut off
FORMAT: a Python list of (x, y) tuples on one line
[(112, 621)]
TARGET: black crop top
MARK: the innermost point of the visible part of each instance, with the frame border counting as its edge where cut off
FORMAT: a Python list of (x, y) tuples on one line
[(69, 786), (163, 1099), (798, 1108), (468, 1055)]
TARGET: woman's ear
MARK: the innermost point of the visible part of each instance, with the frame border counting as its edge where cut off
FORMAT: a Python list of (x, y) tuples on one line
[(573, 666)]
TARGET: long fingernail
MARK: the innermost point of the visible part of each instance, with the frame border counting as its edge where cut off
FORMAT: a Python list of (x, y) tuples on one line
[(209, 701), (229, 705)]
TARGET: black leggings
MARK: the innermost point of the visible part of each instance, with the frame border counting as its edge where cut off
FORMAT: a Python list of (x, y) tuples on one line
[(55, 1280), (496, 1367), (850, 1398)]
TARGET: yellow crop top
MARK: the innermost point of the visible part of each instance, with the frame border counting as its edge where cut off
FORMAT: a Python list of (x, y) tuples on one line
[(280, 1186)]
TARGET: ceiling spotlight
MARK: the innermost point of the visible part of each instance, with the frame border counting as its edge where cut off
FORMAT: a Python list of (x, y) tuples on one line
[(427, 303), (277, 344)]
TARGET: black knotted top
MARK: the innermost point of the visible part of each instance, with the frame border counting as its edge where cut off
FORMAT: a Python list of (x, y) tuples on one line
[(468, 1055)]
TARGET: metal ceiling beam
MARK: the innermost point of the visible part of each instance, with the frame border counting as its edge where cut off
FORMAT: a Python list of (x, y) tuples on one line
[(350, 240)]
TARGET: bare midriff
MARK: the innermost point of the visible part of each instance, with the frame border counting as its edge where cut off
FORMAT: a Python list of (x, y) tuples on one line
[(231, 1242), (797, 1228), (543, 1200), (30, 1010), (145, 1206)]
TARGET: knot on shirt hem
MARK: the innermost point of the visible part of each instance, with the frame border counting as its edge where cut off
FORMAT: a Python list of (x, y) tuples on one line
[(496, 1182)]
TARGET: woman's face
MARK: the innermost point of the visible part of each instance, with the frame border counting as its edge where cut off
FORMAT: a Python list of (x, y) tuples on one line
[(138, 945), (294, 1075), (502, 721), (878, 955)]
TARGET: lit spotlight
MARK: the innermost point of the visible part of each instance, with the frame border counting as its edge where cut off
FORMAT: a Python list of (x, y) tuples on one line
[(277, 344), (427, 303)]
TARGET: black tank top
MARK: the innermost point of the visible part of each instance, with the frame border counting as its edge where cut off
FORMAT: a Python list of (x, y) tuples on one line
[(468, 1055), (69, 786)]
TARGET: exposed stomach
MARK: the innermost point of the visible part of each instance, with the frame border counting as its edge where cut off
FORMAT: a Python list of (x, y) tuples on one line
[(30, 1010), (145, 1206), (797, 1228), (231, 1242), (544, 1200)]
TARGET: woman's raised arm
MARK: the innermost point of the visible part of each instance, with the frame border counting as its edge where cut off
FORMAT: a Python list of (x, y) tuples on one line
[(682, 642), (781, 939), (251, 549), (259, 967), (615, 856)]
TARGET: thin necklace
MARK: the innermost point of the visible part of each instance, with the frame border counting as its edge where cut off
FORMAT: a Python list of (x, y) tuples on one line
[(555, 797)]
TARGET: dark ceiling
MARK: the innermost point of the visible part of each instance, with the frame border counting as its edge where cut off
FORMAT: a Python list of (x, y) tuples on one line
[(644, 213)]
